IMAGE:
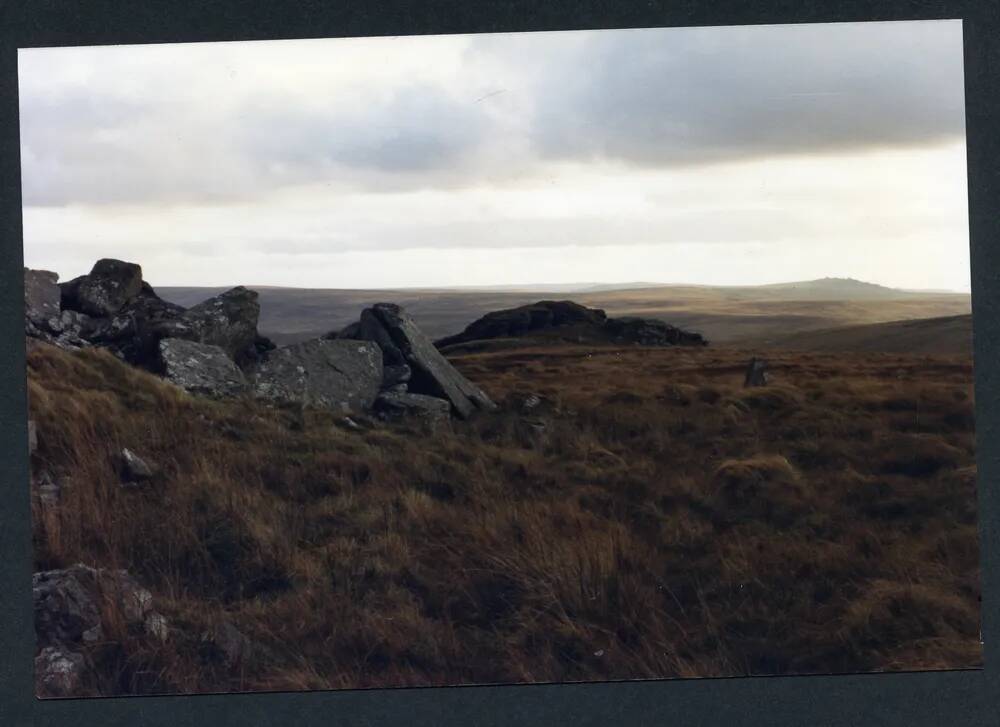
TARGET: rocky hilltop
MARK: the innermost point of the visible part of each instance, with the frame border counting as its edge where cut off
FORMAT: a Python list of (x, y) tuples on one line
[(567, 320), (384, 363)]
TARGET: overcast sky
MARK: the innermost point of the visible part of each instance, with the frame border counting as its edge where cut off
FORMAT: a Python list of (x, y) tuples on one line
[(736, 155)]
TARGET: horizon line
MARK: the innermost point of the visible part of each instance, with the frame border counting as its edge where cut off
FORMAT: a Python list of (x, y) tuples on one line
[(555, 287)]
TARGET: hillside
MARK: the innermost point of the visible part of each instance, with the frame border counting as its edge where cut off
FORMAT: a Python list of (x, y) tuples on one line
[(645, 517), (837, 289), (931, 336), (721, 314)]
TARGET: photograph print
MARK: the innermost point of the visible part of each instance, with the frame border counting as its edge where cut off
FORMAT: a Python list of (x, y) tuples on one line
[(499, 358)]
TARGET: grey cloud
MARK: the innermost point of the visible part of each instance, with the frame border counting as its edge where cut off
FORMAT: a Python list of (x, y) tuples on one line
[(649, 98), (704, 95), (710, 226), (418, 129)]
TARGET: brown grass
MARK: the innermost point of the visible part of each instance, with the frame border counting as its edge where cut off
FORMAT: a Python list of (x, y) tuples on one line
[(662, 522)]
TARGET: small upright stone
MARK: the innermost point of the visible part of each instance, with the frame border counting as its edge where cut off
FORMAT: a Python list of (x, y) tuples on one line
[(756, 373)]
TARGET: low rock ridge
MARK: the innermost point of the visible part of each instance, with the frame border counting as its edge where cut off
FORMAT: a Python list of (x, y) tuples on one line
[(383, 363), (571, 321)]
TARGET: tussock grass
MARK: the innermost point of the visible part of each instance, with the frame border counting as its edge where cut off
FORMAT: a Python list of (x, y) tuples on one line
[(649, 518)]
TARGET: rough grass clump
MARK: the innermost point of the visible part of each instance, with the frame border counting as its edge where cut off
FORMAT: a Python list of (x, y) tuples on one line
[(918, 454), (773, 398), (766, 486), (649, 517)]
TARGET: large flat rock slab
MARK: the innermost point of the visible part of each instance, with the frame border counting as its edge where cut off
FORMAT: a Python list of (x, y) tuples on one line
[(341, 375), (431, 373), (200, 368)]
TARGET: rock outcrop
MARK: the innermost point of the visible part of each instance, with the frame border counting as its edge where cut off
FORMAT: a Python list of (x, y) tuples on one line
[(342, 375), (571, 321), (431, 374), (135, 331), (41, 296), (214, 349), (70, 606), (527, 319), (228, 321), (112, 307), (200, 368), (650, 332), (109, 286), (43, 317)]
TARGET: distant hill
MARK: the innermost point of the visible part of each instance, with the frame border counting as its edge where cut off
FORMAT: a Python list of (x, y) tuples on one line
[(944, 335), (722, 314), (837, 289)]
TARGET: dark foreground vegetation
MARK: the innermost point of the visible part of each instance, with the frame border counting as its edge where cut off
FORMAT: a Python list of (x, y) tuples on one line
[(627, 513)]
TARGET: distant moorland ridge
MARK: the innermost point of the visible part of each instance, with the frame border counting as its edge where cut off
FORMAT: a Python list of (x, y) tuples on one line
[(722, 314)]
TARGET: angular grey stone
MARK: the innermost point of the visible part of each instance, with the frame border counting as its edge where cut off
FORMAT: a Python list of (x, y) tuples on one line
[(396, 375), (228, 320), (58, 672), (134, 468), (41, 296), (392, 405), (371, 328), (341, 375), (73, 322), (68, 603), (348, 331), (64, 602), (200, 368), (134, 332), (109, 286), (432, 374)]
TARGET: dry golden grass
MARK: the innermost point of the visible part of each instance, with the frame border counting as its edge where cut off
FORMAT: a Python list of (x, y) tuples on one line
[(664, 522)]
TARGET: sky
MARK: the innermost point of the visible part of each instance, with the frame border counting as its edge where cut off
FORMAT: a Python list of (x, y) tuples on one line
[(721, 156)]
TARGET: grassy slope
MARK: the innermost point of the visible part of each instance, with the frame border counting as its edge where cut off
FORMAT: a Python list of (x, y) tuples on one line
[(947, 335), (722, 314), (668, 523)]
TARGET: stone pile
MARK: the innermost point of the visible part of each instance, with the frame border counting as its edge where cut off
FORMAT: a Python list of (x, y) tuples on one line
[(383, 363)]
